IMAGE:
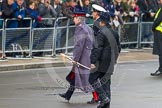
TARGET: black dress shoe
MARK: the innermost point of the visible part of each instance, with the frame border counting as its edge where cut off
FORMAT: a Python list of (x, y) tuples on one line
[(64, 96), (92, 101), (157, 73), (103, 103), (106, 105)]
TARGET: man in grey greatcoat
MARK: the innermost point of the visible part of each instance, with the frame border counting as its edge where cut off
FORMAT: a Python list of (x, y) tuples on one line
[(83, 41)]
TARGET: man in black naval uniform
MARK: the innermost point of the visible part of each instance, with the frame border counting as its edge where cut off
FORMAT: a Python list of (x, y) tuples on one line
[(96, 16), (103, 58), (96, 28)]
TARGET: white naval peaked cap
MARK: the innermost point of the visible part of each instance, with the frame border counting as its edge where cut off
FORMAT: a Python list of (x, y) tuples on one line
[(98, 8)]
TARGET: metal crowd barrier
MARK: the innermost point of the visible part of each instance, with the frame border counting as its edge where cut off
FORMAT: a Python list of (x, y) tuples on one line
[(61, 34), (146, 34), (129, 34), (43, 37), (136, 35), (57, 35), (2, 49), (17, 41)]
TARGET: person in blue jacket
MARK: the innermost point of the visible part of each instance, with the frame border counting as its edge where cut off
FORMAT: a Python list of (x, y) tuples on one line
[(32, 13), (19, 14)]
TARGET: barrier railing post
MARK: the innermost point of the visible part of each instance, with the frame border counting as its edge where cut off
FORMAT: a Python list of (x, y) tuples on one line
[(54, 39), (3, 39), (140, 30), (31, 38), (67, 36), (119, 32), (140, 35)]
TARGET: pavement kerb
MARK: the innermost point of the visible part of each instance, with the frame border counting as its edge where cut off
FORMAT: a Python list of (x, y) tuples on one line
[(55, 62), (32, 65)]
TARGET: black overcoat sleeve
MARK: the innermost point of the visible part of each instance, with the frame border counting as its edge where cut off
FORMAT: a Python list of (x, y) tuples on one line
[(97, 48)]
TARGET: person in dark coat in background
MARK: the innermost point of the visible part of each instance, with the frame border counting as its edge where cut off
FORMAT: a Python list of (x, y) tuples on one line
[(103, 58), (83, 41), (7, 9), (26, 3), (45, 10), (152, 8), (143, 8), (68, 8), (157, 46), (57, 7)]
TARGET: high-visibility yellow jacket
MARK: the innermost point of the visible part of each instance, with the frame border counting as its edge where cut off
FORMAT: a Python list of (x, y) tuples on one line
[(159, 27)]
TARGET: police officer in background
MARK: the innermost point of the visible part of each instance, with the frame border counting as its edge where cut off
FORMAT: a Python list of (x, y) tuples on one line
[(103, 58), (157, 48)]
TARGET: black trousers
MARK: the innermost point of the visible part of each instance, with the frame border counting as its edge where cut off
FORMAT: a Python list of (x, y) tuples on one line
[(157, 48), (70, 90), (103, 87), (160, 63)]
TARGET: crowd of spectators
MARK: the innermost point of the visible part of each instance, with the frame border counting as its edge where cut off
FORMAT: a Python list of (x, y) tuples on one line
[(121, 11)]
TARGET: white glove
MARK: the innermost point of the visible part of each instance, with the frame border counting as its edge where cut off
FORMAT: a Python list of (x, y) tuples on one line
[(88, 15)]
